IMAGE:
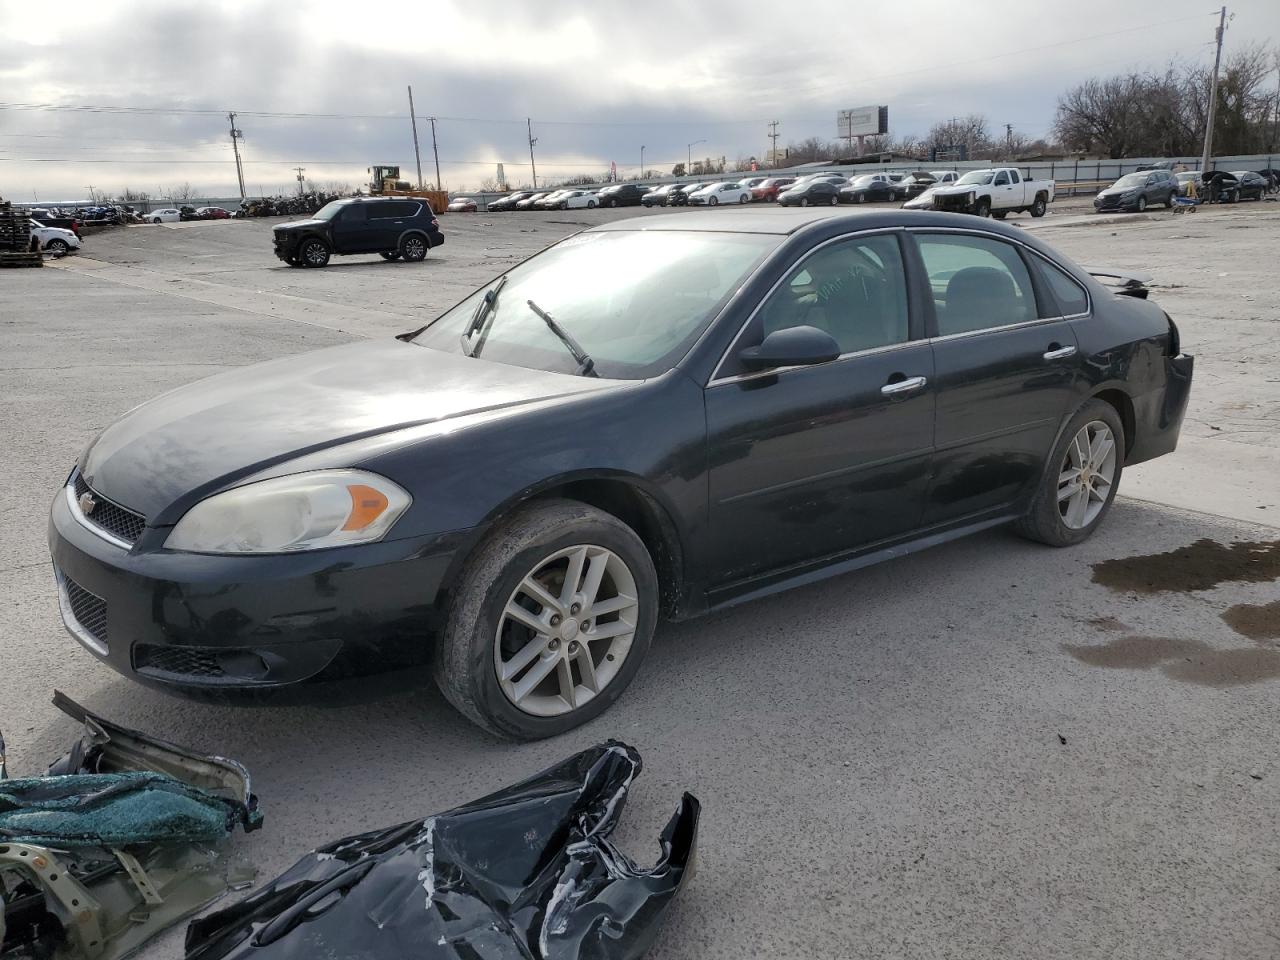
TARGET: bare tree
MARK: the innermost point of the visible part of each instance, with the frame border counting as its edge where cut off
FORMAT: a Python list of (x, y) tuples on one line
[(678, 170), (970, 131)]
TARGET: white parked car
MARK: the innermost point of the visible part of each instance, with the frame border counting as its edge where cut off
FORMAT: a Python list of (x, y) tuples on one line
[(944, 176), (579, 199), (54, 240), (717, 193), (167, 215)]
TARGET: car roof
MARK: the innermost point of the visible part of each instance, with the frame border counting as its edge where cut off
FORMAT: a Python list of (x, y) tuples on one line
[(783, 221)]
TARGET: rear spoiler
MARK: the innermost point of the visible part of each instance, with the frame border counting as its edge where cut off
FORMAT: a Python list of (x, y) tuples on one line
[(1126, 283)]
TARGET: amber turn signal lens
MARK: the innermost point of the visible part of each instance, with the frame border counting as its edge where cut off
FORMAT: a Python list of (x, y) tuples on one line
[(367, 504)]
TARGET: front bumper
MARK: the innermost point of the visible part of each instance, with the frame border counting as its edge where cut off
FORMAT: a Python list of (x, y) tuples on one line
[(193, 623)]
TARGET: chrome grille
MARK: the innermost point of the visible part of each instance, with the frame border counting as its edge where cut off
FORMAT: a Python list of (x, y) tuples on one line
[(89, 609), (118, 521)]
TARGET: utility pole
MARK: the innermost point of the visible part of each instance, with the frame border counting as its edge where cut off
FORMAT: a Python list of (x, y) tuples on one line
[(532, 140), (301, 178), (413, 119), (642, 161), (436, 152), (236, 136), (773, 143), (1213, 95), (689, 159)]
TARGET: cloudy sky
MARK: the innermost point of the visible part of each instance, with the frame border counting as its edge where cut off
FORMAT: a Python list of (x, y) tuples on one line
[(134, 93)]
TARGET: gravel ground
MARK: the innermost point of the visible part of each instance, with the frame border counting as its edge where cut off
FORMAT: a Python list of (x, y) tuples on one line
[(988, 750)]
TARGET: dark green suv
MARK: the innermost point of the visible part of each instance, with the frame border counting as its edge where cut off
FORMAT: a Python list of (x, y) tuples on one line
[(397, 228)]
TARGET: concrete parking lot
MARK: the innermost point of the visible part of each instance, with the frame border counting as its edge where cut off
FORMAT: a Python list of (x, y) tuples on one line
[(989, 750)]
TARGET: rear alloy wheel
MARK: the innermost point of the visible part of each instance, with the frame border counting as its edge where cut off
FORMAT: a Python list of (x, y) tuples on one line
[(1082, 478), (393, 255), (314, 253), (413, 248), (1038, 208), (550, 621), (58, 248)]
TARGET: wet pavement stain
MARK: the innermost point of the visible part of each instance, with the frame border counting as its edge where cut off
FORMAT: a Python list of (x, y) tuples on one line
[(1200, 566), (1190, 661), (1256, 621), (1109, 624)]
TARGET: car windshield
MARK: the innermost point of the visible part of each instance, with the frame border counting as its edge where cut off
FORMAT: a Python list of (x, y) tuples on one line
[(635, 300), (329, 210), (1131, 180), (977, 176)]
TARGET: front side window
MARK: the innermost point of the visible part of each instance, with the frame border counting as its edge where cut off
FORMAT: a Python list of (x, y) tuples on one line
[(977, 283), (853, 289), (1002, 179), (635, 300)]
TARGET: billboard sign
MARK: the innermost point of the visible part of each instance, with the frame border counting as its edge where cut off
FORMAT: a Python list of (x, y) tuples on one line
[(862, 122)]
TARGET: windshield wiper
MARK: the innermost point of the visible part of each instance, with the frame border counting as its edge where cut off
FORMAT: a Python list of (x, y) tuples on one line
[(586, 366), (483, 310)]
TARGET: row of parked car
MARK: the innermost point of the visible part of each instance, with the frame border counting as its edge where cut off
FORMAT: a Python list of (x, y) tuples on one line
[(1161, 185), (801, 190)]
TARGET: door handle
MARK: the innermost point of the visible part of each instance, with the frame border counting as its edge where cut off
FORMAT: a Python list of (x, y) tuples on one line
[(899, 387), (1056, 352)]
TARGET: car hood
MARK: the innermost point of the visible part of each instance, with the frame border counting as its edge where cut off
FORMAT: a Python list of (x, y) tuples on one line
[(191, 441), (301, 224), (951, 188), (1118, 191)]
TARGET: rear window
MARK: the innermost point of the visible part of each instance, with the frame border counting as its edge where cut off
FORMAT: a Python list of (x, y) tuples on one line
[(1071, 297)]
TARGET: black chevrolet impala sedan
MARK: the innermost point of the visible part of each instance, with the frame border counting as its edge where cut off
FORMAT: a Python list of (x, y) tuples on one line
[(651, 419)]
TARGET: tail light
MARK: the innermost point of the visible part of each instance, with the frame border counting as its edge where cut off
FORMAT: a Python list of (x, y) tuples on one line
[(435, 222), (1174, 347)]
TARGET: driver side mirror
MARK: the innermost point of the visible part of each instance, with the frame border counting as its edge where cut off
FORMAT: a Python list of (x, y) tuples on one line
[(791, 347)]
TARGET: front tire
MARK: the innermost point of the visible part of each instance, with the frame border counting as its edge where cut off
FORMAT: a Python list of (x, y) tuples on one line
[(550, 622), (155, 219), (834, 199), (591, 204), (713, 202), (1081, 478), (982, 208), (1141, 205), (804, 201), (314, 253), (742, 199), (59, 248)]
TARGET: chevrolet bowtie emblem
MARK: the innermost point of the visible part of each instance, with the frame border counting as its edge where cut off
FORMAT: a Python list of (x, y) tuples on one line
[(87, 503)]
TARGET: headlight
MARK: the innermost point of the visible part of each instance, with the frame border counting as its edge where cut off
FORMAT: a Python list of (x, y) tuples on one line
[(305, 511)]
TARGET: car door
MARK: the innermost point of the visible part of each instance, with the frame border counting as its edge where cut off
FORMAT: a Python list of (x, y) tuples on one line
[(808, 463), (351, 229), (1006, 369), (1001, 191)]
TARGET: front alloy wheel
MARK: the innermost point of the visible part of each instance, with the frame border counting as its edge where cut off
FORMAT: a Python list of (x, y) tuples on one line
[(549, 622), (314, 253), (566, 630), (58, 248)]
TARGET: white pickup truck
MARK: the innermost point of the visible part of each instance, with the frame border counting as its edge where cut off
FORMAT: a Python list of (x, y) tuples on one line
[(994, 193)]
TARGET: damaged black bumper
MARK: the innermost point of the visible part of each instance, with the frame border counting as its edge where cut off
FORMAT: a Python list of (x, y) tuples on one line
[(527, 873)]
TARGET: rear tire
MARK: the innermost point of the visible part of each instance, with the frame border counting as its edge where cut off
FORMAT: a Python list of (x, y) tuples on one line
[(1039, 207), (1045, 520), (481, 640), (314, 254), (413, 248)]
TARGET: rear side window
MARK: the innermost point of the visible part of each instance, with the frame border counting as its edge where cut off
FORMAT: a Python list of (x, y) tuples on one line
[(977, 283), (393, 209), (1070, 296)]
